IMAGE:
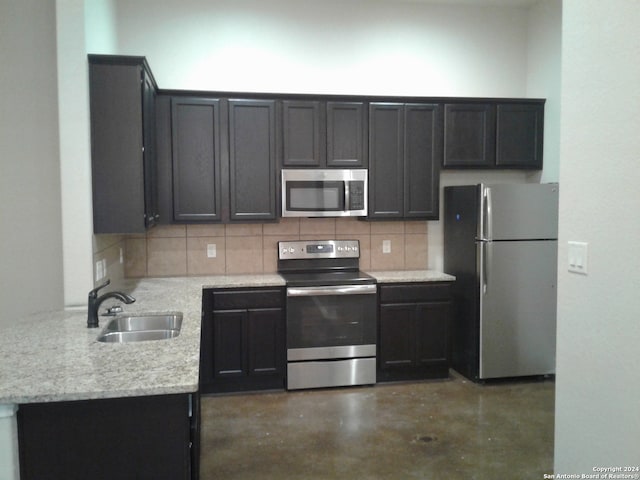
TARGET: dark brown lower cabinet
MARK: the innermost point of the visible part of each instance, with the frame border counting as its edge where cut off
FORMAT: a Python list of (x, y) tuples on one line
[(243, 340), (154, 438), (413, 335)]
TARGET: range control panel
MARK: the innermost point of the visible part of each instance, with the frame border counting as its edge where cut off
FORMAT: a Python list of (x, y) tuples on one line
[(318, 249)]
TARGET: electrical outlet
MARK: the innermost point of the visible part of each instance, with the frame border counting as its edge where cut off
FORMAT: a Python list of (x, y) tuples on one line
[(211, 250), (99, 270), (121, 256), (386, 246)]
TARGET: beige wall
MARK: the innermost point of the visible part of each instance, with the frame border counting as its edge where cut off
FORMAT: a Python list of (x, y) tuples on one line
[(598, 379), (30, 212), (377, 47), (75, 151), (252, 248)]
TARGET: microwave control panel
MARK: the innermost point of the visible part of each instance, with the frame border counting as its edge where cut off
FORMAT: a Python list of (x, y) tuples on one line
[(356, 195)]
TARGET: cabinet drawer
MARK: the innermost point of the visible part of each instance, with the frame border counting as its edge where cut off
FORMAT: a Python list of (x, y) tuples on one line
[(414, 292), (247, 298)]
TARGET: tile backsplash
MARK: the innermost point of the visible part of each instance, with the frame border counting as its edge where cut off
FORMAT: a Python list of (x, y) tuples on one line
[(176, 250), (109, 251)]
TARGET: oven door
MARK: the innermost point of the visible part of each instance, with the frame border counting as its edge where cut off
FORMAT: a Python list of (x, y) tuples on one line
[(329, 322)]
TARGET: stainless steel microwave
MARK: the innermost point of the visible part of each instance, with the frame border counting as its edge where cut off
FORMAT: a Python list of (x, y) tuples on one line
[(324, 192)]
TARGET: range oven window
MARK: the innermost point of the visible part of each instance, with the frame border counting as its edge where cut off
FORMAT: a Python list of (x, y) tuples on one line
[(331, 320), (315, 196)]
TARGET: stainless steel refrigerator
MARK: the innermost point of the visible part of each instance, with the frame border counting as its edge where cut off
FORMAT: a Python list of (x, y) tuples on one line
[(500, 241)]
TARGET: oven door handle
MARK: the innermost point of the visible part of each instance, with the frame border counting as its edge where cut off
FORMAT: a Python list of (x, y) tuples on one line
[(331, 290)]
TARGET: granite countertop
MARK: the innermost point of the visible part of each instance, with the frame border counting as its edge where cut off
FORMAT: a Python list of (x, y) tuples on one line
[(53, 356), (399, 276)]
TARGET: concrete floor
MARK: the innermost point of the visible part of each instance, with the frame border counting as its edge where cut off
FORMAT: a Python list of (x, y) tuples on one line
[(451, 429)]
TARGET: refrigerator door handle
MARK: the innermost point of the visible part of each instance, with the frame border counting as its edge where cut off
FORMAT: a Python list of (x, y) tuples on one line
[(488, 254), (488, 215)]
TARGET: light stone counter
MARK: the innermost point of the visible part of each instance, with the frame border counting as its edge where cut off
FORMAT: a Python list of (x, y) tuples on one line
[(53, 356), (400, 276)]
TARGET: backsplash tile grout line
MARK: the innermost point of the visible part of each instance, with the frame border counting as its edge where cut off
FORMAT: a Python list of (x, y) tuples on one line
[(409, 246)]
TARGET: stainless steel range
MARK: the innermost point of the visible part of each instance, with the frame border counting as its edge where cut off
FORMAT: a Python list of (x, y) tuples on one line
[(331, 314)]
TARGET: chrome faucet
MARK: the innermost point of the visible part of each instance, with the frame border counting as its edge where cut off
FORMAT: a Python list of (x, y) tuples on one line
[(95, 301)]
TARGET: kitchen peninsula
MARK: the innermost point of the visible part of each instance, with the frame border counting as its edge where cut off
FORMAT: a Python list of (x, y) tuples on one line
[(52, 359), (67, 384)]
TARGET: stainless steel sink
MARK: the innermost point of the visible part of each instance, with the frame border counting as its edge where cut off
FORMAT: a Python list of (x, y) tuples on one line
[(139, 336), (139, 328)]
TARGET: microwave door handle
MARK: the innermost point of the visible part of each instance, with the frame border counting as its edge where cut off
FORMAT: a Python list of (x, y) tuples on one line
[(346, 195)]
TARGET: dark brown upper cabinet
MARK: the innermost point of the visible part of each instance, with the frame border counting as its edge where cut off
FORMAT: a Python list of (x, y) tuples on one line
[(220, 164), (123, 144), (346, 135), (519, 135), (252, 160), (176, 156), (302, 137), (196, 159), (405, 150), (323, 134), (469, 135), (494, 135)]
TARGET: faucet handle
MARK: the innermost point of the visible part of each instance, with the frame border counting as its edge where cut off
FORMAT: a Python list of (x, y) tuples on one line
[(94, 293), (113, 311)]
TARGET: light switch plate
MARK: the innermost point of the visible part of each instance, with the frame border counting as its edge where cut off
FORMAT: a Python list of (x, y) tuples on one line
[(578, 257)]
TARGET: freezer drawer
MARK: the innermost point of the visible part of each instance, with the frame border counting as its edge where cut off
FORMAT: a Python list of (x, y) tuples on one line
[(518, 212), (517, 308)]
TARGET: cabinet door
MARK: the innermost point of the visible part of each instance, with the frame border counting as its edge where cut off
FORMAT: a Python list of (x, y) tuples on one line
[(422, 157), (397, 336), (469, 135), (243, 340), (386, 153), (346, 135), (149, 438), (151, 215), (519, 135), (196, 159), (229, 344), (265, 341), (432, 333), (302, 134), (252, 160), (116, 148)]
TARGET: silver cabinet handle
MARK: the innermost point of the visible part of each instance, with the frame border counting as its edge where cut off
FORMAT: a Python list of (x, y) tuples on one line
[(331, 290)]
